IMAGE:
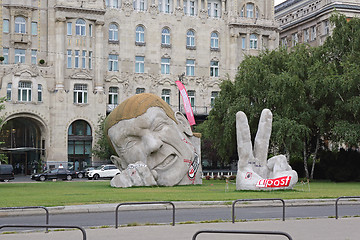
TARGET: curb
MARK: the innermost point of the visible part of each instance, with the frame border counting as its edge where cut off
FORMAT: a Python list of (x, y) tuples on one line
[(93, 208)]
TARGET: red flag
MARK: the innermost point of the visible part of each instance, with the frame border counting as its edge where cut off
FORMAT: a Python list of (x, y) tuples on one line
[(186, 101)]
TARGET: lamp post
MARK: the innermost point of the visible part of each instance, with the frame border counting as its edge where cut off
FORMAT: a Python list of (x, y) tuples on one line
[(180, 79)]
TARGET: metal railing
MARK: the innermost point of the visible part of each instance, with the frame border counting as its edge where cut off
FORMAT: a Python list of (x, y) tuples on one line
[(336, 203), (243, 232), (44, 226), (257, 199), (142, 203), (30, 207)]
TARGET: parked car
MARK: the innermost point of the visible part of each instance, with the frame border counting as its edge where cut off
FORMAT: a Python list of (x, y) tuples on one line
[(6, 172), (87, 170), (58, 173), (104, 171), (82, 173)]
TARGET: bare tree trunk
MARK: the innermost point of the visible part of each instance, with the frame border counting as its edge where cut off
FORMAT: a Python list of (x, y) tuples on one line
[(305, 161), (314, 158)]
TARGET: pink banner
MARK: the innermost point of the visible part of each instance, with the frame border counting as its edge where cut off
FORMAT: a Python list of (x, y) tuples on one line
[(186, 101)]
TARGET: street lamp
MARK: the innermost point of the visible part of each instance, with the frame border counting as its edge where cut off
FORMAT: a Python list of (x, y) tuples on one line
[(180, 79)]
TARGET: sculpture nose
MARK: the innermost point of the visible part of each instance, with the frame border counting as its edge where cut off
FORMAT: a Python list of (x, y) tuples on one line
[(152, 143)]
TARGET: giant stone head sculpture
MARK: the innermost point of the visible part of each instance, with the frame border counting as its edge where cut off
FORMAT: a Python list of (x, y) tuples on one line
[(154, 144)]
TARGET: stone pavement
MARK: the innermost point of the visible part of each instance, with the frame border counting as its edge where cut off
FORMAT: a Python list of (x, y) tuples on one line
[(304, 229)]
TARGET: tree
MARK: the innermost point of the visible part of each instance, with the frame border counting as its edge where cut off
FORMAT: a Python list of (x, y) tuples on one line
[(102, 147)]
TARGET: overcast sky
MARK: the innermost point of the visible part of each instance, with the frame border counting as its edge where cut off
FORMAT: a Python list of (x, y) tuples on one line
[(278, 2)]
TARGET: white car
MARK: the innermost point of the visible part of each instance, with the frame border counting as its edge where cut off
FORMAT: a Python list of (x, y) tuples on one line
[(104, 171)]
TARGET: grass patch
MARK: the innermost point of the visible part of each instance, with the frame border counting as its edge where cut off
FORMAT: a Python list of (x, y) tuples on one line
[(61, 193)]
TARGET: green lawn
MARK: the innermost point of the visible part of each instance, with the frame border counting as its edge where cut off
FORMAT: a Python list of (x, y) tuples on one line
[(73, 193)]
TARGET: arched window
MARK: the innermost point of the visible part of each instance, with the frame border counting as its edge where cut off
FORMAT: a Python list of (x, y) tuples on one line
[(253, 41), (165, 36), (249, 10), (190, 38), (79, 145), (20, 24), (113, 32), (140, 34), (80, 27), (214, 40)]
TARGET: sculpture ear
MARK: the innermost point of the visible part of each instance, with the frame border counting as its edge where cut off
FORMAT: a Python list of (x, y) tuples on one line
[(183, 123), (119, 163)]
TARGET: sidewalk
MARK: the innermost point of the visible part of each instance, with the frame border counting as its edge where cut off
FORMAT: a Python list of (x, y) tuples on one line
[(305, 229)]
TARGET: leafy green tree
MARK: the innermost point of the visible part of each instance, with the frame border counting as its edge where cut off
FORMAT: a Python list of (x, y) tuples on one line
[(102, 148)]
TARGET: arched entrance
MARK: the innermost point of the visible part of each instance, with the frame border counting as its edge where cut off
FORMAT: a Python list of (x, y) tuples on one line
[(79, 145), (23, 144)]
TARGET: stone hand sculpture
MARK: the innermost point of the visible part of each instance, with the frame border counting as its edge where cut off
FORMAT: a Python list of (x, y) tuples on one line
[(255, 171), (154, 144)]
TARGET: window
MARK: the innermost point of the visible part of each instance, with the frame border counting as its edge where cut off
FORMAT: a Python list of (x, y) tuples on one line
[(313, 33), (190, 7), (39, 93), (165, 65), (139, 64), (83, 59), (190, 67), (90, 59), (214, 40), (191, 95), (6, 55), (165, 36), (80, 27), (214, 69), (34, 28), (24, 91), (326, 27), (6, 27), (165, 6), (214, 95), (77, 55), (140, 34), (113, 95), (113, 32), (20, 25), (295, 39), (214, 9), (69, 28), (243, 42), (306, 35), (112, 3), (139, 90), (242, 12), (19, 55), (113, 63), (190, 39), (33, 56), (284, 42), (253, 41), (257, 12), (165, 95), (139, 5), (90, 30), (69, 59), (249, 10), (8, 92), (80, 93)]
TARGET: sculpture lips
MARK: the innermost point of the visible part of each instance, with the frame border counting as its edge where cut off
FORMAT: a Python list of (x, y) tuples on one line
[(168, 161)]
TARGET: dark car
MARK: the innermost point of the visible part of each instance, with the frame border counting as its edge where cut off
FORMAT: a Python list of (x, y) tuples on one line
[(58, 173), (82, 173), (6, 172)]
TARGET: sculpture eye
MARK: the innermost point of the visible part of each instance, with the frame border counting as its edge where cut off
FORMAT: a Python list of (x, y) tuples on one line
[(130, 143), (159, 127)]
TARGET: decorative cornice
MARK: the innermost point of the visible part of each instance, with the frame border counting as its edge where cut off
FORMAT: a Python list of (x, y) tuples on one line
[(80, 10), (81, 75)]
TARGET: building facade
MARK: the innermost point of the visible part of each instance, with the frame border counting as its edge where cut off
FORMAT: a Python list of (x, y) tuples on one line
[(307, 21), (65, 63)]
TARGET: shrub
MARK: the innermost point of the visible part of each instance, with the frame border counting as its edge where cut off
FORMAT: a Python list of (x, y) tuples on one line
[(215, 177), (207, 177), (41, 61)]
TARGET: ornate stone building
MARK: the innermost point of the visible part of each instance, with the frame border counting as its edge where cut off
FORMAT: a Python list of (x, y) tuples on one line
[(307, 21), (65, 63)]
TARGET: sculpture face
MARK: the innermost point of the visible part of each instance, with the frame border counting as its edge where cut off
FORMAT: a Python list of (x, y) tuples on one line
[(157, 141)]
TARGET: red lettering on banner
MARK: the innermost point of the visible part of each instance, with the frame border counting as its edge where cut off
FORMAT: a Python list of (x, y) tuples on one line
[(273, 183)]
